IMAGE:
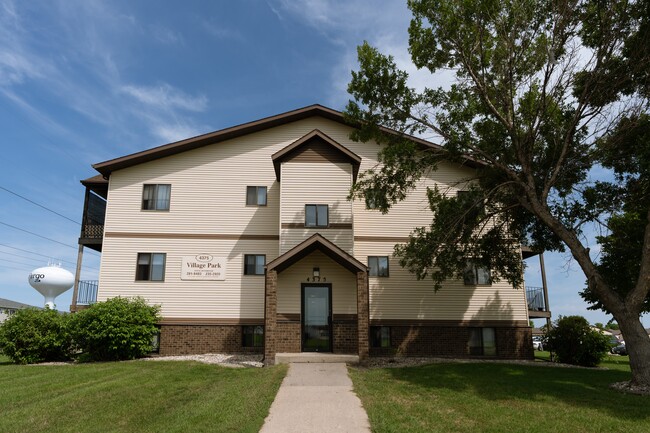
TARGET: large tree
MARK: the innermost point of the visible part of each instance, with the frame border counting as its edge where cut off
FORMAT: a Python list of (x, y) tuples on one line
[(547, 95)]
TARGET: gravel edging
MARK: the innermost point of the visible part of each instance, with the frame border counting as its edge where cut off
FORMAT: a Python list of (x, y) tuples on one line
[(233, 361), (398, 362)]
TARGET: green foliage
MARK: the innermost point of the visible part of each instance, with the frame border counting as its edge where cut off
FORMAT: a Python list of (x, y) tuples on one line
[(545, 95), (117, 329), (574, 342), (626, 151), (32, 335)]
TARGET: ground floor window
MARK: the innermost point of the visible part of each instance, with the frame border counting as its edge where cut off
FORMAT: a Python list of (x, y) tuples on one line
[(155, 342), (482, 341), (253, 336), (380, 336), (150, 267)]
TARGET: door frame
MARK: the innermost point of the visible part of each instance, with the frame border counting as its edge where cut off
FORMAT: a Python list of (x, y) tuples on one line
[(329, 315)]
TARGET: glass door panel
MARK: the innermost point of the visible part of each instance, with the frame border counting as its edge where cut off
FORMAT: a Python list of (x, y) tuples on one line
[(316, 314)]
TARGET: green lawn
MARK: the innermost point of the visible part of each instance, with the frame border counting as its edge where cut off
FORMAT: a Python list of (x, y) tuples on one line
[(495, 397), (135, 397)]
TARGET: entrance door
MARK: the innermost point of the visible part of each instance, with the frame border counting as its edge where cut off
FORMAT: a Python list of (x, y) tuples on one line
[(316, 318)]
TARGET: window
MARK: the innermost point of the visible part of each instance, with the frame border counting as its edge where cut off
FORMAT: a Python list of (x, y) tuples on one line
[(380, 336), (378, 266), (316, 215), (151, 267), (156, 197), (482, 341), (475, 275), (255, 196), (371, 200), (252, 336), (155, 342), (254, 264)]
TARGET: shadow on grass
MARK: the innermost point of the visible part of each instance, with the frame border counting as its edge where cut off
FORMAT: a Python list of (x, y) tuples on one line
[(574, 387)]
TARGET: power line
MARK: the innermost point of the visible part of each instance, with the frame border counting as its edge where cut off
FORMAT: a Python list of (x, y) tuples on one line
[(22, 257), (13, 261), (13, 268), (37, 235), (39, 205), (42, 255)]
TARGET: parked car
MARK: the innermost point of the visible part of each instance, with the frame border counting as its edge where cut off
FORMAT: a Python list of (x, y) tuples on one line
[(620, 349), (537, 343)]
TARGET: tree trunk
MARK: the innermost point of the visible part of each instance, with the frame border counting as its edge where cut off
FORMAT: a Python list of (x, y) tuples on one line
[(637, 343)]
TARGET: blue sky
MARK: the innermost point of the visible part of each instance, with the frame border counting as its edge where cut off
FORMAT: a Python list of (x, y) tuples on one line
[(83, 81)]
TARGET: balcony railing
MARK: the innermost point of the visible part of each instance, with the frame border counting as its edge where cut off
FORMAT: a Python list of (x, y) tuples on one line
[(535, 298), (87, 292), (92, 231)]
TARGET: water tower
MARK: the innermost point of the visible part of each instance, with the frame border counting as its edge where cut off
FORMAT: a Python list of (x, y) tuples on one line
[(51, 281)]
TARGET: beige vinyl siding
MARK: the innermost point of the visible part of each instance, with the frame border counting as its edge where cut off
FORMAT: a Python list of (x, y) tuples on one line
[(315, 183), (208, 193), (208, 198), (344, 289), (401, 296), (412, 212), (239, 296)]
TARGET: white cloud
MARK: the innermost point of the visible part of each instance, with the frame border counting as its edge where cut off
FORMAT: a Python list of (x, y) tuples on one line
[(166, 97), (219, 31), (347, 24), (165, 35), (171, 133)]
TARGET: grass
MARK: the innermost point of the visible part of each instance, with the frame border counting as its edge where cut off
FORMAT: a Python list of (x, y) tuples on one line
[(484, 397), (135, 397)]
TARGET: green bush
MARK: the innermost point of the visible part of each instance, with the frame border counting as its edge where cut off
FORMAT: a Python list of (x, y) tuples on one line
[(118, 329), (574, 342), (32, 335)]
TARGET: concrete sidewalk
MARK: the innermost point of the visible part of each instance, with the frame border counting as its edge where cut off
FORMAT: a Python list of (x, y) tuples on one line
[(316, 398)]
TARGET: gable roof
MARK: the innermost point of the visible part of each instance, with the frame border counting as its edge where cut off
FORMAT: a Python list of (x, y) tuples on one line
[(311, 244), (312, 141), (6, 303), (106, 167)]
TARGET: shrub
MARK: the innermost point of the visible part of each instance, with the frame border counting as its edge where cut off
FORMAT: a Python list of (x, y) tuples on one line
[(574, 342), (32, 335), (118, 329)]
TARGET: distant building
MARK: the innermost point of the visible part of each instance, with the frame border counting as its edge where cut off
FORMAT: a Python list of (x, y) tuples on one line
[(8, 308)]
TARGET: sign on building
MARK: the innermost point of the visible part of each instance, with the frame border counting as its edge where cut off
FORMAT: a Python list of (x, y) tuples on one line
[(203, 267)]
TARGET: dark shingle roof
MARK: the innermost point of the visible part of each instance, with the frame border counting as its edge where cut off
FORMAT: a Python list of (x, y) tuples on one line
[(6, 303)]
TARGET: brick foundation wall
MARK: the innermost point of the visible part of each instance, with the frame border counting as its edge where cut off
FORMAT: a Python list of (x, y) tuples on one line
[(197, 339), (287, 337), (346, 338), (451, 341)]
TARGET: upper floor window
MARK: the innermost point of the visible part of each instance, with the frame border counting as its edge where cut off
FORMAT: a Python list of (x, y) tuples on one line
[(316, 215), (255, 196), (475, 275), (150, 267), (156, 196), (254, 264), (378, 266)]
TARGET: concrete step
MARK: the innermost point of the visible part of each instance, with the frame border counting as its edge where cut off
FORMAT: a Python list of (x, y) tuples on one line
[(285, 358)]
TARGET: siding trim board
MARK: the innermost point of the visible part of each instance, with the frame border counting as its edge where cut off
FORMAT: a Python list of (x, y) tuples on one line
[(216, 236), (210, 321), (453, 323), (338, 226)]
